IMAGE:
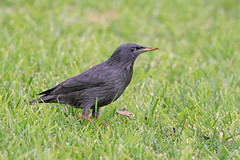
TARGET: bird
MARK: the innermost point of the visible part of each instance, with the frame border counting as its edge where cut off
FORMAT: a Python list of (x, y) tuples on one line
[(98, 86)]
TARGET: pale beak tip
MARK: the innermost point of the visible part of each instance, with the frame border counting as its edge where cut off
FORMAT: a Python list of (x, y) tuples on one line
[(151, 49)]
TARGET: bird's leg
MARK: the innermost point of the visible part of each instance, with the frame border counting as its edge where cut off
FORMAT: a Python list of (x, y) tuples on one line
[(94, 114), (86, 113), (87, 118)]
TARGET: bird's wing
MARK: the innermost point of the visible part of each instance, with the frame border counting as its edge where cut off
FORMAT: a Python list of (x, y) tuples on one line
[(77, 83)]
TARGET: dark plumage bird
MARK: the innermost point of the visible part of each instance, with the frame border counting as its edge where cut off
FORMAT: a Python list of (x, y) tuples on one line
[(104, 82)]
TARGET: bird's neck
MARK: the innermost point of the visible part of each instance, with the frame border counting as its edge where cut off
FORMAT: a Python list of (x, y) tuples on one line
[(120, 64)]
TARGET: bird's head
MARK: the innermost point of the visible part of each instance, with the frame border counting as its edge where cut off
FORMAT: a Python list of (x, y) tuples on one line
[(127, 53)]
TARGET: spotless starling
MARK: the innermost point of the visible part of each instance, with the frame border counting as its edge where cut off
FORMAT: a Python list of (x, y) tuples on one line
[(103, 83)]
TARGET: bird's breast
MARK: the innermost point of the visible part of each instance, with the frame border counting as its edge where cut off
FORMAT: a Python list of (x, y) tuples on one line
[(116, 81), (123, 79)]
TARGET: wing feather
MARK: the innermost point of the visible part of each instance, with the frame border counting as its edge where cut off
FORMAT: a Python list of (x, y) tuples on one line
[(77, 83)]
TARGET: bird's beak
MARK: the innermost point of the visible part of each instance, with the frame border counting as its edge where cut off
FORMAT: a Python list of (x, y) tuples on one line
[(146, 49)]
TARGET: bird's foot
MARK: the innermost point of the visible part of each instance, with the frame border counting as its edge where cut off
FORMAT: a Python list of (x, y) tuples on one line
[(87, 118), (105, 124)]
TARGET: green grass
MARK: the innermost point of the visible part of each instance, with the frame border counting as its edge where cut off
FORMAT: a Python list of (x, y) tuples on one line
[(185, 97)]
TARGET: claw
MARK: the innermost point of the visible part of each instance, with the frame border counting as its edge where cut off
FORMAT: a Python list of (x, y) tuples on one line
[(87, 118), (105, 124)]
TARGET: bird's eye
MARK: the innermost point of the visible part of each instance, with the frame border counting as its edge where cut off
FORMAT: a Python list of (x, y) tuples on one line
[(133, 49)]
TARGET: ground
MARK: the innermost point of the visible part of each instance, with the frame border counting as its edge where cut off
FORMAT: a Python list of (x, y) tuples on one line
[(185, 98)]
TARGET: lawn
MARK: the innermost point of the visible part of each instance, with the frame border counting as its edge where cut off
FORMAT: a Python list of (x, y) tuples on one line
[(185, 97)]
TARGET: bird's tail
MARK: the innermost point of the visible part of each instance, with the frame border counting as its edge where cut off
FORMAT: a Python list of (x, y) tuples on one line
[(44, 99)]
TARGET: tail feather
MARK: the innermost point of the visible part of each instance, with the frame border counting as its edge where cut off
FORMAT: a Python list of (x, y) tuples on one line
[(44, 99), (47, 91), (32, 102)]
